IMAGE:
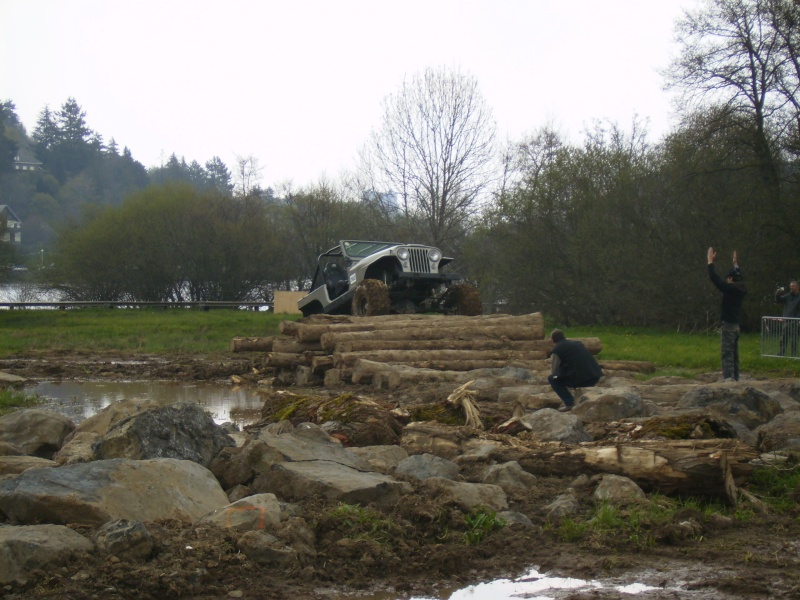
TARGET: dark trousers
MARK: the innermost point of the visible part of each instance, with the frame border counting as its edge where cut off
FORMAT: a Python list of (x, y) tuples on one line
[(730, 351), (561, 387)]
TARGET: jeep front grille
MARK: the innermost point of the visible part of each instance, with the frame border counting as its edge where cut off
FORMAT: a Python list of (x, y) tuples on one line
[(419, 260)]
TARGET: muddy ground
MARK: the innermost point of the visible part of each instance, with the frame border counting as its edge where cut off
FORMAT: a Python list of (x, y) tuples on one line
[(421, 548)]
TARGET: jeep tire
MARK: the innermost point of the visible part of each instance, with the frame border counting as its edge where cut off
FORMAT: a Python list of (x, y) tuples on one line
[(371, 298)]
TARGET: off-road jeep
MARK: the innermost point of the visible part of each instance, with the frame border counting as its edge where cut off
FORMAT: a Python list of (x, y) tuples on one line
[(365, 278)]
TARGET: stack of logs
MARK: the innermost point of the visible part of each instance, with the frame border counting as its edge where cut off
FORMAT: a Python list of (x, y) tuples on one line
[(388, 351)]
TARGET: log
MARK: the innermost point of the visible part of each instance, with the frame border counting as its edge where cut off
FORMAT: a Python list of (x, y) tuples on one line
[(637, 366), (252, 344), (533, 324), (365, 370), (510, 332), (283, 359), (345, 359), (322, 363), (592, 344), (288, 327), (289, 344), (705, 468)]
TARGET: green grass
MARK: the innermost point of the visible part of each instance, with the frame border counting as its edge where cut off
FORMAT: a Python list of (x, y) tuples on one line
[(156, 331), (682, 354), (11, 400)]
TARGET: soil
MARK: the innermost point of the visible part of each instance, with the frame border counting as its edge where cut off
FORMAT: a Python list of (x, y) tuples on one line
[(422, 550)]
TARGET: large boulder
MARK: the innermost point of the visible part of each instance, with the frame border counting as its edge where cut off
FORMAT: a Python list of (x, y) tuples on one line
[(14, 465), (183, 430), (262, 511), (37, 432), (548, 425), (613, 404), (782, 433), (422, 466), (745, 404), (466, 496), (78, 444), (37, 547), (101, 491)]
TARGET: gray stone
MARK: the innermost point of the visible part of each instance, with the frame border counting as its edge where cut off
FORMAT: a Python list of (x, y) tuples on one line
[(612, 404), (101, 491), (510, 476), (548, 425), (261, 511), (37, 547), (422, 466), (781, 433), (383, 459), (127, 540), (745, 404), (618, 490), (184, 431), (37, 432), (467, 496)]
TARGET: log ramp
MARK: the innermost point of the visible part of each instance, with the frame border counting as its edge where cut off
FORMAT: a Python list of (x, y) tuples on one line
[(392, 351)]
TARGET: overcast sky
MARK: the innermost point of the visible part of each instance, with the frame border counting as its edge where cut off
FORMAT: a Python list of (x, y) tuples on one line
[(299, 84)]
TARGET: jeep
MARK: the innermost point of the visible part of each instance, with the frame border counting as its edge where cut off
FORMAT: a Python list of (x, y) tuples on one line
[(366, 278)]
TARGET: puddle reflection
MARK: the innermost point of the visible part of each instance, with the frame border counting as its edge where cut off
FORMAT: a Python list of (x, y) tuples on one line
[(81, 400)]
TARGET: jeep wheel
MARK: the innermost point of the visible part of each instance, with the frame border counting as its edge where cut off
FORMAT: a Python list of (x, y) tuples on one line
[(464, 299), (371, 298)]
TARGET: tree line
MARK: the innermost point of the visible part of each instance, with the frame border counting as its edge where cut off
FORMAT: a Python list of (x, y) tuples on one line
[(610, 229)]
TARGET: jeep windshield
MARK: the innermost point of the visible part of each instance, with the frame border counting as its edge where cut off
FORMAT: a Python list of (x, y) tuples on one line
[(362, 249)]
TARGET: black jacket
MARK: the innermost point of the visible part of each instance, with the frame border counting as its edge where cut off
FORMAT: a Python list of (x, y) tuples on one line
[(732, 296), (791, 304), (576, 362)]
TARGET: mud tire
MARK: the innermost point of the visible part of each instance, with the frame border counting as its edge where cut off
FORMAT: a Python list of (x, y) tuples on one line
[(465, 300), (371, 299)]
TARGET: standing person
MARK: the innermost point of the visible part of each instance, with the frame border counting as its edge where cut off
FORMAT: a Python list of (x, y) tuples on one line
[(791, 310), (573, 366), (733, 290)]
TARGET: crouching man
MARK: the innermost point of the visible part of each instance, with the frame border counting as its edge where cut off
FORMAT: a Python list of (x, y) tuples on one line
[(573, 367)]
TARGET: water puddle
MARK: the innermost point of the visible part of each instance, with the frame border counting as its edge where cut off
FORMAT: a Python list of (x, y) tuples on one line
[(80, 400)]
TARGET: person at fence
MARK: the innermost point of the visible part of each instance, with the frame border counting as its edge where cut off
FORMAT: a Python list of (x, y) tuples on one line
[(573, 366), (791, 310), (733, 291)]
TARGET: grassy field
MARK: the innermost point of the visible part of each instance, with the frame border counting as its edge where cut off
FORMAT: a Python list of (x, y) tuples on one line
[(26, 332)]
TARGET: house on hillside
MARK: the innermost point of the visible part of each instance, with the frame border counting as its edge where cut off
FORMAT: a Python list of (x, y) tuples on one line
[(12, 232), (26, 160)]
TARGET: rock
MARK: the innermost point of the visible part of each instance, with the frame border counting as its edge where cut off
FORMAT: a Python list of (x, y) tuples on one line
[(612, 404), (78, 449), (127, 540), (618, 490), (467, 496), (266, 549), (749, 406), (422, 466), (512, 517), (564, 505), (781, 433), (261, 511), (183, 431), (12, 379), (101, 491), (37, 547), (9, 449), (37, 432), (431, 437), (510, 476), (383, 459), (548, 425), (14, 465)]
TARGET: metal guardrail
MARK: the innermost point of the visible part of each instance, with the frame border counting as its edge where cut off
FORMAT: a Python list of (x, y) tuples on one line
[(780, 337), (91, 303)]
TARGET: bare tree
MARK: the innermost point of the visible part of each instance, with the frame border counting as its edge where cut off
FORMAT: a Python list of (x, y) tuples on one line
[(732, 56), (434, 151), (248, 174)]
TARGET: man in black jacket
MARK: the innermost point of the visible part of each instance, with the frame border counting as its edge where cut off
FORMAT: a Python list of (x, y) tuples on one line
[(573, 366), (733, 290)]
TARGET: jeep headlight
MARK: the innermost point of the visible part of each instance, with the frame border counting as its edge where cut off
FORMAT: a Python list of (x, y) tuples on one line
[(434, 255), (403, 253)]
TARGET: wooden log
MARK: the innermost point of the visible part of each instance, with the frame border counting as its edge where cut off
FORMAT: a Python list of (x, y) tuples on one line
[(286, 360), (289, 344), (365, 370), (443, 344), (322, 363), (252, 344), (533, 324), (288, 327), (345, 359), (705, 468), (636, 366)]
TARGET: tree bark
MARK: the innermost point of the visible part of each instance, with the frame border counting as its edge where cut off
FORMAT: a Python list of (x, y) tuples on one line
[(252, 344), (417, 357)]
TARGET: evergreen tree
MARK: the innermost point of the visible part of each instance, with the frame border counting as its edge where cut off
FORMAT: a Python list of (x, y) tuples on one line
[(8, 146)]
